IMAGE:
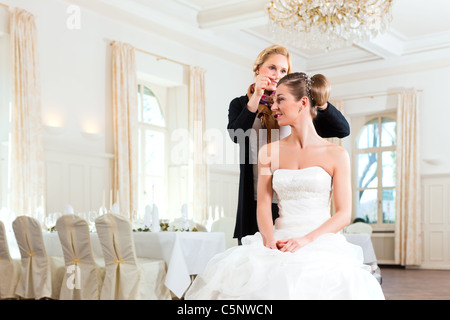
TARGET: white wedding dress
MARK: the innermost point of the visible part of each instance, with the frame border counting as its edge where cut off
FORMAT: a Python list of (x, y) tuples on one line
[(328, 268)]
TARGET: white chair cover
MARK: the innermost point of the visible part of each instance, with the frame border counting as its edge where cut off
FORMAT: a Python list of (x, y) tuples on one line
[(9, 268), (84, 274), (225, 225), (359, 227), (127, 277), (41, 275)]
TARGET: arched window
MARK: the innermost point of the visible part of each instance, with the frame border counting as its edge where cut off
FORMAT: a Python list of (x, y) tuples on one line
[(151, 110), (375, 172), (152, 149)]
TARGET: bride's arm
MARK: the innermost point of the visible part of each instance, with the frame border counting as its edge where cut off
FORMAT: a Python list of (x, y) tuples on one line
[(342, 193), (264, 200)]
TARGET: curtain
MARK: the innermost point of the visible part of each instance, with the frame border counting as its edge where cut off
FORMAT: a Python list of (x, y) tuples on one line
[(124, 100), (197, 123), (408, 238), (27, 164)]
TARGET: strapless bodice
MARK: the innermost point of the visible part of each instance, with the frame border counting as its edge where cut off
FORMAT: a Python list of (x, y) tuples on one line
[(303, 200)]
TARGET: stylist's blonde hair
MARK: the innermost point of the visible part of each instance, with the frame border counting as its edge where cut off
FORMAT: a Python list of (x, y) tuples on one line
[(267, 52)]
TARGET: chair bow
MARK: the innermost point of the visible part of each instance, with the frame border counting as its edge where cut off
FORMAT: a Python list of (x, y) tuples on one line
[(118, 261)]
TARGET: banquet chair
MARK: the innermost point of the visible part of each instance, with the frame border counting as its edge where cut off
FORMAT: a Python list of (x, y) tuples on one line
[(362, 227), (128, 277), (9, 268), (225, 225), (84, 273), (359, 227), (200, 227), (41, 275)]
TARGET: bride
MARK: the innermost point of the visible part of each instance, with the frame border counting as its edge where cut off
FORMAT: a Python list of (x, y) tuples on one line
[(303, 256)]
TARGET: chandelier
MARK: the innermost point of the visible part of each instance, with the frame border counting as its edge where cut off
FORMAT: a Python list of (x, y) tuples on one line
[(328, 24)]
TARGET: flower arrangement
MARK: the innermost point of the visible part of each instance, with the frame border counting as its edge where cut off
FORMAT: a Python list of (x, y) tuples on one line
[(166, 226)]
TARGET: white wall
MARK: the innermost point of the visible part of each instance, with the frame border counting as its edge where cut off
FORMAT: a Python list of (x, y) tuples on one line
[(75, 69), (434, 110), (434, 115)]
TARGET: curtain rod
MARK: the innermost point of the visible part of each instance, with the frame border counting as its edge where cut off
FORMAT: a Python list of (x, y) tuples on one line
[(158, 56), (5, 5), (370, 95)]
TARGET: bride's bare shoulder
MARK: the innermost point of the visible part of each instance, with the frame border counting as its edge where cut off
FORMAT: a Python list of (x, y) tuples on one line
[(338, 155), (269, 148), (269, 156)]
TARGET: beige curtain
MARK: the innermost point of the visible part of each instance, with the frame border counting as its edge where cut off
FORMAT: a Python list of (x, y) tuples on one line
[(27, 168), (124, 99), (197, 123), (408, 235)]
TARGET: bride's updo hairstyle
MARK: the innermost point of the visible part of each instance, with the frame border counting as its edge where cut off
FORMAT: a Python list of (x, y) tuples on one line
[(317, 88)]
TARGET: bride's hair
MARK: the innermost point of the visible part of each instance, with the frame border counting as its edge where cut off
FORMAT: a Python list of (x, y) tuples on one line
[(317, 88)]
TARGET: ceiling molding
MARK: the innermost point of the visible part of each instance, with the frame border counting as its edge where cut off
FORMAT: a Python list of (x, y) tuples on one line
[(382, 68), (237, 30), (385, 46), (245, 14), (163, 25), (340, 58), (434, 41)]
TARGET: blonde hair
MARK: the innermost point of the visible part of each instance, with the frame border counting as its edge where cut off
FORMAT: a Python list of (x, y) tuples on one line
[(317, 88), (267, 52)]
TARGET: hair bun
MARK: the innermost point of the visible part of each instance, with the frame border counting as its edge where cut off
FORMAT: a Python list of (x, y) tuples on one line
[(319, 88)]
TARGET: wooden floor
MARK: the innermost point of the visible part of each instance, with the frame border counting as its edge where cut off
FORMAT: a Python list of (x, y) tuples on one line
[(412, 284)]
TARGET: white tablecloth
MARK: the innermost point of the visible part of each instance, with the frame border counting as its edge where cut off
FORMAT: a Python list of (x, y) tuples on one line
[(363, 240), (185, 253)]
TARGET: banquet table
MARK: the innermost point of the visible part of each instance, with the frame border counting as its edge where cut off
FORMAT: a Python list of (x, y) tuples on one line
[(185, 253)]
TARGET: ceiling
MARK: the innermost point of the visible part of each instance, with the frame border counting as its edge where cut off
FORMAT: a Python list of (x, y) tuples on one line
[(238, 30)]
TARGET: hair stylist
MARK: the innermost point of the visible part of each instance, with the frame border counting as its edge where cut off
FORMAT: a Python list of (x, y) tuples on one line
[(252, 111)]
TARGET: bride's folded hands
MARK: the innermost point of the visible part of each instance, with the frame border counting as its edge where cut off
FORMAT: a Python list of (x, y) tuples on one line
[(271, 244), (293, 244)]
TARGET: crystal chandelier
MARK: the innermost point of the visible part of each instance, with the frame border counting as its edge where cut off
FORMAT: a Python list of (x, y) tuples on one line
[(328, 24)]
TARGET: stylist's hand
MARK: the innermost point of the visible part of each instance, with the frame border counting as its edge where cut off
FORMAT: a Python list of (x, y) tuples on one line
[(261, 84)]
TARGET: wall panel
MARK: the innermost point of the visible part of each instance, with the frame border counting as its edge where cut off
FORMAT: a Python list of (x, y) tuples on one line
[(82, 180), (436, 221)]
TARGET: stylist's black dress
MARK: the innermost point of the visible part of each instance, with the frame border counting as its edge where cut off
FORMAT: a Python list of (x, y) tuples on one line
[(328, 123)]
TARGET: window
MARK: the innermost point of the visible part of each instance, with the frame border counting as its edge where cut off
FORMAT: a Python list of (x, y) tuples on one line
[(152, 150), (375, 172)]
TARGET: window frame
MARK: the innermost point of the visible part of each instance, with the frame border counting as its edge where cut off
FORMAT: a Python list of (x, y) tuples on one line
[(146, 196), (360, 124)]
